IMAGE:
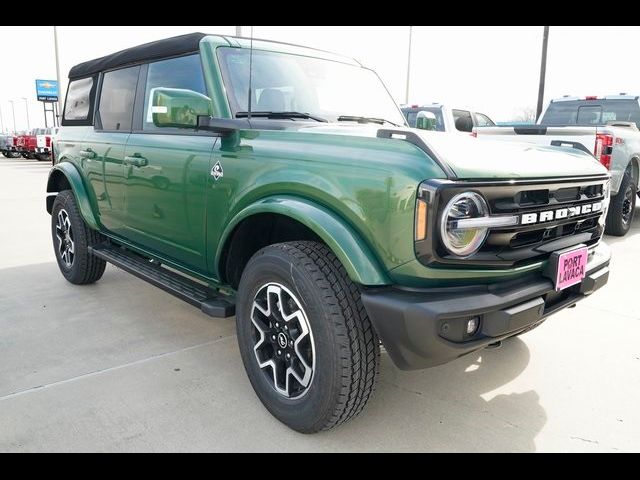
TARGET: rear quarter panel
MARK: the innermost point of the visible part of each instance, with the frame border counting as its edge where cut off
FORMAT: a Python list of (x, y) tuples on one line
[(626, 151)]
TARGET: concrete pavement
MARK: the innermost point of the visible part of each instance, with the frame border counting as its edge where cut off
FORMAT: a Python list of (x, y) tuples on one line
[(123, 366)]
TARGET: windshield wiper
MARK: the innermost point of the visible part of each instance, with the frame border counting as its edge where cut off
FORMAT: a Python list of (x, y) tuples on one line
[(352, 118), (280, 115)]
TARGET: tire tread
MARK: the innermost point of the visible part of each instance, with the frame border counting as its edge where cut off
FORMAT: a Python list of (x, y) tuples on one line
[(361, 358), (91, 268)]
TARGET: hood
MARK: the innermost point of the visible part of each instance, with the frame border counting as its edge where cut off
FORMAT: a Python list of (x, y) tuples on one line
[(475, 158), (472, 158)]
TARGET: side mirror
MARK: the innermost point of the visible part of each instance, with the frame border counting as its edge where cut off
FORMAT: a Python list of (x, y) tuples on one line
[(177, 107), (426, 121)]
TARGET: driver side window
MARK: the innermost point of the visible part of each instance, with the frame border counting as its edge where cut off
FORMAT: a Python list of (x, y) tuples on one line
[(177, 73)]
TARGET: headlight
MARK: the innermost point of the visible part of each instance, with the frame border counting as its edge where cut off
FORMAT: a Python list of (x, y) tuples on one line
[(462, 234)]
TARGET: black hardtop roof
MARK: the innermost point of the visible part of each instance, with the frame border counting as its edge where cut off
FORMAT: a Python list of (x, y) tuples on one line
[(168, 47)]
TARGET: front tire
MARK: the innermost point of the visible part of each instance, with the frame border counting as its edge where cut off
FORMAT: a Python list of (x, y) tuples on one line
[(622, 208), (307, 344), (72, 238)]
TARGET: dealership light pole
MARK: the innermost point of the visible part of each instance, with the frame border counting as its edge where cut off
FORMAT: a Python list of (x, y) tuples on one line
[(56, 121), (13, 111), (238, 31), (26, 108), (406, 92), (1, 121), (543, 71)]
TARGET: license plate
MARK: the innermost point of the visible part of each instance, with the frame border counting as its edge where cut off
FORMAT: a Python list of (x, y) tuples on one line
[(572, 268)]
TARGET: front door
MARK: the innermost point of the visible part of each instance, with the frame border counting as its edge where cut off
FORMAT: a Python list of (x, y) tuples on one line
[(166, 178), (166, 172)]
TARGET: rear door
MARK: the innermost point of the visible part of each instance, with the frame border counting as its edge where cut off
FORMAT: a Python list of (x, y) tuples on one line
[(167, 170), (103, 148)]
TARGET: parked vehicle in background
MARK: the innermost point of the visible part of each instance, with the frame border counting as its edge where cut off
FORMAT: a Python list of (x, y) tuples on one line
[(314, 214), (448, 119), (44, 142), (26, 144), (36, 143), (607, 127), (8, 145)]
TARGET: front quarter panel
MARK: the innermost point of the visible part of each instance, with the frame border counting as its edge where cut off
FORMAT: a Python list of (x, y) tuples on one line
[(368, 185)]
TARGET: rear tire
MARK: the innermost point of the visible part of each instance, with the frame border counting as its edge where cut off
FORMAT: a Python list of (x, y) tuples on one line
[(42, 157), (72, 238), (283, 287), (622, 207)]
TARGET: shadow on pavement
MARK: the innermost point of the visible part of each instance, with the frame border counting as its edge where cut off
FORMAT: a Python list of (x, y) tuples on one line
[(450, 407)]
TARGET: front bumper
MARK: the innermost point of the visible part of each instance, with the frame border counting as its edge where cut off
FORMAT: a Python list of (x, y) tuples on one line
[(426, 327)]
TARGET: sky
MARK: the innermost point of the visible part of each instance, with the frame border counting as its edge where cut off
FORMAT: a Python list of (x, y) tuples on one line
[(494, 70)]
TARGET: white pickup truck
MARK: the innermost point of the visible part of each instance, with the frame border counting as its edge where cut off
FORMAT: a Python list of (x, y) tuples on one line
[(606, 127), (448, 119), (44, 142)]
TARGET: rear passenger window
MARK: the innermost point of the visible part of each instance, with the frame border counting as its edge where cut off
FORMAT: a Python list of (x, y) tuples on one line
[(78, 103), (180, 73), (462, 120), (117, 97)]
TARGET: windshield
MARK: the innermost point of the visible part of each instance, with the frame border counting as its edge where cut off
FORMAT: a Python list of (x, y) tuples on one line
[(592, 112), (283, 82)]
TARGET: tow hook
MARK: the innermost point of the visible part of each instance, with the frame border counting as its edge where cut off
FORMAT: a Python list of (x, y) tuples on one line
[(493, 345)]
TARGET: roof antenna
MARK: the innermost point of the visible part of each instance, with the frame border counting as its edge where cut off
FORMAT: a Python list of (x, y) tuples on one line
[(250, 73)]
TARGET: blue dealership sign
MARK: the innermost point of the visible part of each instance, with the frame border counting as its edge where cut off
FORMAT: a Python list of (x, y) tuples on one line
[(47, 90)]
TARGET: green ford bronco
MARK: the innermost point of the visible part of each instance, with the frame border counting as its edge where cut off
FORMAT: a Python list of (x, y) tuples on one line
[(281, 184)]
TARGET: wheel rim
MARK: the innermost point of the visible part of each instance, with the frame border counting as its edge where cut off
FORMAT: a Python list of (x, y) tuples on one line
[(64, 234), (627, 205), (283, 341)]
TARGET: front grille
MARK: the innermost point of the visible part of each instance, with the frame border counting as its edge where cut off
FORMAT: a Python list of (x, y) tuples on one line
[(521, 243)]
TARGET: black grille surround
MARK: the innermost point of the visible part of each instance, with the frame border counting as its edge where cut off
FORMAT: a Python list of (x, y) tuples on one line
[(517, 245)]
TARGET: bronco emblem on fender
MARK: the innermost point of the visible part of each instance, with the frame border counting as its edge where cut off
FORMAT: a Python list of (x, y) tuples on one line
[(216, 171)]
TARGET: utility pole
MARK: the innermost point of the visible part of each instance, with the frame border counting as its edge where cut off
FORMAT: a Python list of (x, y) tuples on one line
[(1, 121), (26, 108), (56, 121), (13, 111), (406, 92), (543, 71), (238, 31)]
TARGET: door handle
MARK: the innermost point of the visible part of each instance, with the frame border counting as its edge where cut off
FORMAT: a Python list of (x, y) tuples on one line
[(136, 161), (88, 153)]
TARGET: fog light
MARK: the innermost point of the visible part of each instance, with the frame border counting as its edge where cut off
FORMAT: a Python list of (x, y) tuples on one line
[(472, 325)]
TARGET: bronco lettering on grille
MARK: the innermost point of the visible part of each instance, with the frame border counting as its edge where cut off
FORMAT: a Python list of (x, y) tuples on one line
[(560, 213)]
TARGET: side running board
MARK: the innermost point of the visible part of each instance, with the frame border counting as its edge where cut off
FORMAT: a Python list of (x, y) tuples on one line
[(208, 300)]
